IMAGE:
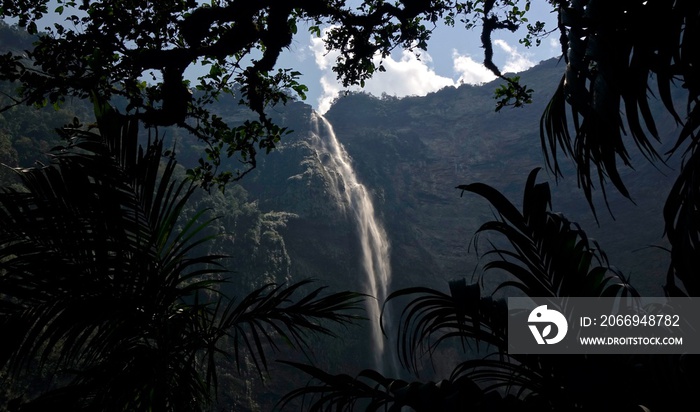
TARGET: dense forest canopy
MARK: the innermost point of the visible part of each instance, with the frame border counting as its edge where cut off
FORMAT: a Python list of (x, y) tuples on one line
[(107, 48)]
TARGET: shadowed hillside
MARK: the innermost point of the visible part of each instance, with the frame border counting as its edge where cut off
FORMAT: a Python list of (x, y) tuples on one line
[(414, 151)]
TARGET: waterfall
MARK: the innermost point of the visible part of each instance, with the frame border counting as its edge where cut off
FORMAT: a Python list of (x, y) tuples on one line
[(353, 198)]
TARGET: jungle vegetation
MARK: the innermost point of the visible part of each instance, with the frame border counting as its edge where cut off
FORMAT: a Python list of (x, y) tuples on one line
[(618, 56)]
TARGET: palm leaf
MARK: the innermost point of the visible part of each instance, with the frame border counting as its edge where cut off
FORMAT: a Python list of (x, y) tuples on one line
[(616, 53), (431, 317), (371, 391), (94, 273), (101, 282), (269, 313), (548, 255), (612, 52)]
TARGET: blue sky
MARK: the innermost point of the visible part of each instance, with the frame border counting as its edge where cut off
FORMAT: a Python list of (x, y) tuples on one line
[(453, 57)]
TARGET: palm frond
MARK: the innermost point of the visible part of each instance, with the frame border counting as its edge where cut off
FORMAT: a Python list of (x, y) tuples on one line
[(431, 317), (613, 51), (371, 391), (340, 392), (682, 228), (477, 384), (101, 281), (270, 313), (94, 269), (548, 255)]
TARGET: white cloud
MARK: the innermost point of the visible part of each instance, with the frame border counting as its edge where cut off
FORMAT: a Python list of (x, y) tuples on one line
[(469, 70), (410, 75), (516, 61), (554, 45), (324, 60), (331, 90)]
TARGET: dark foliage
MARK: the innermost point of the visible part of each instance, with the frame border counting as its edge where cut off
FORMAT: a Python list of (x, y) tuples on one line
[(108, 46), (619, 56), (547, 256), (103, 292)]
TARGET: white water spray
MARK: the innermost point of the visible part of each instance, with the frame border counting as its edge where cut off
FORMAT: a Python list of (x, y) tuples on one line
[(354, 197)]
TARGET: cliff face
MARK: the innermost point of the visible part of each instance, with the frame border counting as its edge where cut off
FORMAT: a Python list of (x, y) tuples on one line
[(321, 239), (411, 153)]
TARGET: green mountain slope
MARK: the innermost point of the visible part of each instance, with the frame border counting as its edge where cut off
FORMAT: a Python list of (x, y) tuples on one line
[(412, 152)]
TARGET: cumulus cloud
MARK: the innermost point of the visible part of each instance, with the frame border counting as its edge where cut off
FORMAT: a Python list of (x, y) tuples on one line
[(324, 60), (407, 75), (554, 45), (410, 75), (469, 70), (516, 61)]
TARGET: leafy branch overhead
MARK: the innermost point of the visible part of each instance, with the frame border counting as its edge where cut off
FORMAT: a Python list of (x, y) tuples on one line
[(619, 56), (139, 50)]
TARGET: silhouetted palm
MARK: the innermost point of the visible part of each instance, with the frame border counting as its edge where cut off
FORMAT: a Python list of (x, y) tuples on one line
[(615, 53), (547, 256), (619, 55), (101, 288)]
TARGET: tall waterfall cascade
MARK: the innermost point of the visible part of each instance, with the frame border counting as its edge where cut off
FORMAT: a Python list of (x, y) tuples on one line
[(355, 200)]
